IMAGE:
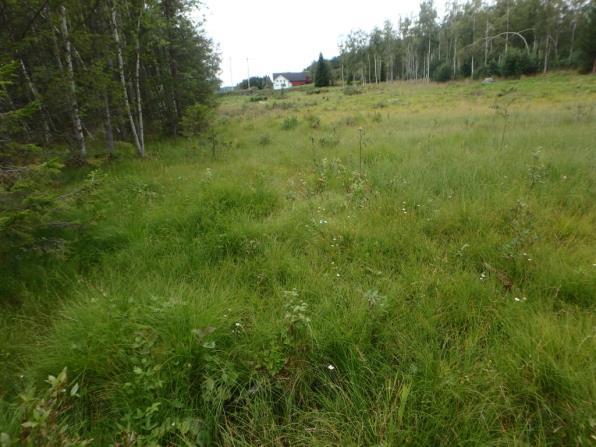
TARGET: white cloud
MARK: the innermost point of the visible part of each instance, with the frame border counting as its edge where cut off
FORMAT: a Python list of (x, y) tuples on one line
[(278, 35)]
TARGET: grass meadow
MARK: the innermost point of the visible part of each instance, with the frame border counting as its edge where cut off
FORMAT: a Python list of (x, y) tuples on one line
[(402, 264)]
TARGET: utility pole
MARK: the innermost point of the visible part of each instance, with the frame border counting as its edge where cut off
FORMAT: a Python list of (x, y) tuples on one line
[(231, 73)]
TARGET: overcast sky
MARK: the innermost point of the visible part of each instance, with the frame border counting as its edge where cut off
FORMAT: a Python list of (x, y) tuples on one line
[(278, 35)]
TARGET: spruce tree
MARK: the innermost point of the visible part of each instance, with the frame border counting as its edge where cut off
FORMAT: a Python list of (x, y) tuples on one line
[(323, 73), (587, 40)]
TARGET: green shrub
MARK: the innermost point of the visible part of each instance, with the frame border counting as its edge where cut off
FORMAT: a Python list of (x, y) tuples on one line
[(491, 69), (316, 91), (258, 98), (442, 73), (314, 121), (284, 105), (265, 140), (33, 220), (352, 90), (517, 63), (197, 119), (329, 140), (289, 123), (44, 416), (353, 120)]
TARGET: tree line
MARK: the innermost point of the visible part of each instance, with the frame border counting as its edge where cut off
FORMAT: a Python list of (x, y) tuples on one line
[(504, 37), (76, 74), (117, 68), (255, 82)]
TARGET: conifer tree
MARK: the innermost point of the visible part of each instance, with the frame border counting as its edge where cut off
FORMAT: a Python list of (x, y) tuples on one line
[(323, 73), (587, 40)]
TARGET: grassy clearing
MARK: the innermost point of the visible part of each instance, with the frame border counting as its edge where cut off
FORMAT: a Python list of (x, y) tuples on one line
[(442, 294)]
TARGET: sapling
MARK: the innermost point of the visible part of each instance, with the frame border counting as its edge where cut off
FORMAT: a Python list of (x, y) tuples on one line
[(361, 132), (213, 142), (502, 110), (537, 170)]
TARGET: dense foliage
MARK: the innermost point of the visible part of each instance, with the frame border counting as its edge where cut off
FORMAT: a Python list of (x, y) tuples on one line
[(257, 82), (587, 41), (118, 68), (508, 37), (90, 73), (27, 200)]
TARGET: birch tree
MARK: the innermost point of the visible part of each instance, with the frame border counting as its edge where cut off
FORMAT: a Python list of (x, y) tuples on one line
[(133, 127), (74, 105)]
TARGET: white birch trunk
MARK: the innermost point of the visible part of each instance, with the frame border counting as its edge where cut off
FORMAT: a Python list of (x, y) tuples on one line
[(507, 35), (74, 106), (133, 127), (473, 40), (486, 43), (376, 74), (138, 86), (428, 62)]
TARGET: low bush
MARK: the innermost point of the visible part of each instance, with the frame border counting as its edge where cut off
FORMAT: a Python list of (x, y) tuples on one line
[(517, 63), (351, 90), (284, 105), (265, 140), (314, 121), (442, 73), (197, 119), (258, 98), (316, 91), (329, 140), (291, 122)]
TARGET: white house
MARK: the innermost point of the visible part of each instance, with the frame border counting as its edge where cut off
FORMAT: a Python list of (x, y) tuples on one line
[(289, 80)]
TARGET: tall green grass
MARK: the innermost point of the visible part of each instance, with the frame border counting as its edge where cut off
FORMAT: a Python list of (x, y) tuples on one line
[(277, 295)]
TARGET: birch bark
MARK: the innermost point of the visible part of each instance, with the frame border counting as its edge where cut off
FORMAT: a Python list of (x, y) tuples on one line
[(133, 127), (74, 105), (138, 85)]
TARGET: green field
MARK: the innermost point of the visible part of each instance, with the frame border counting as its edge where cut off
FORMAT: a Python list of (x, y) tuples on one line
[(435, 287)]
